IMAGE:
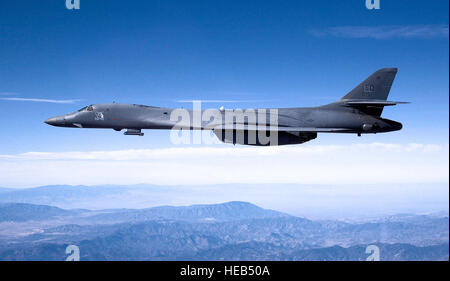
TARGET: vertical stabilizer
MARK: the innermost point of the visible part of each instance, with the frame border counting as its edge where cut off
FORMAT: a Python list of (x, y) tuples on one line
[(376, 86)]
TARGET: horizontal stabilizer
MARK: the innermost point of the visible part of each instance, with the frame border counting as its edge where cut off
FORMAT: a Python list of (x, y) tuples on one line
[(372, 102)]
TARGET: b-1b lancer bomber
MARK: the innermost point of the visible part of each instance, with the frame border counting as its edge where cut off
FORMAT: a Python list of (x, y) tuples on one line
[(358, 112)]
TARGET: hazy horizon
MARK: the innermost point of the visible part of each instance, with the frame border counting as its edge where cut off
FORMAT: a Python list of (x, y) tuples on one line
[(318, 201)]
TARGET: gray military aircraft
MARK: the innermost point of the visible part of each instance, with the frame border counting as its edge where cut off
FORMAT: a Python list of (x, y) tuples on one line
[(358, 112)]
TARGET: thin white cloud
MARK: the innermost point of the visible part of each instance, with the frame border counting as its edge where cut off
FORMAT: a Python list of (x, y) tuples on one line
[(40, 100), (241, 151), (302, 164), (385, 31), (219, 101)]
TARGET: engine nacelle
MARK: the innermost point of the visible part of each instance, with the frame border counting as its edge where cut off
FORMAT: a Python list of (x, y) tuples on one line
[(246, 137)]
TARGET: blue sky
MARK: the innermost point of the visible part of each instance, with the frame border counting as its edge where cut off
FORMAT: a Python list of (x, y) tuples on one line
[(263, 53)]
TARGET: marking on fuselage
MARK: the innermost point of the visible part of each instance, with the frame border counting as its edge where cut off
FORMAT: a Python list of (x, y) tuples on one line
[(99, 116)]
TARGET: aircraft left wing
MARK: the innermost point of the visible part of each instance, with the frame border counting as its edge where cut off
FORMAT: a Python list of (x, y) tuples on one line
[(278, 129)]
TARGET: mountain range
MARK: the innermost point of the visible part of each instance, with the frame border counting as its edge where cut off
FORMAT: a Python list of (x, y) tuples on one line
[(226, 231)]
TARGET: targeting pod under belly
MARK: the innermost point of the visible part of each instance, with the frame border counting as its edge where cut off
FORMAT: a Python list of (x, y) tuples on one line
[(133, 132)]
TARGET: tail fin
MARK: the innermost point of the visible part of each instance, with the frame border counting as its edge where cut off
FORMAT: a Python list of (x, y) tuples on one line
[(369, 95), (376, 86)]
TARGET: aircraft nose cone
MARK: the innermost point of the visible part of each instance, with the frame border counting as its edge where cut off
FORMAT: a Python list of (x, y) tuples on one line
[(54, 121), (50, 121)]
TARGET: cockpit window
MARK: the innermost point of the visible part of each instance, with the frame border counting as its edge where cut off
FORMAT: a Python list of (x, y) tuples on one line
[(87, 108)]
